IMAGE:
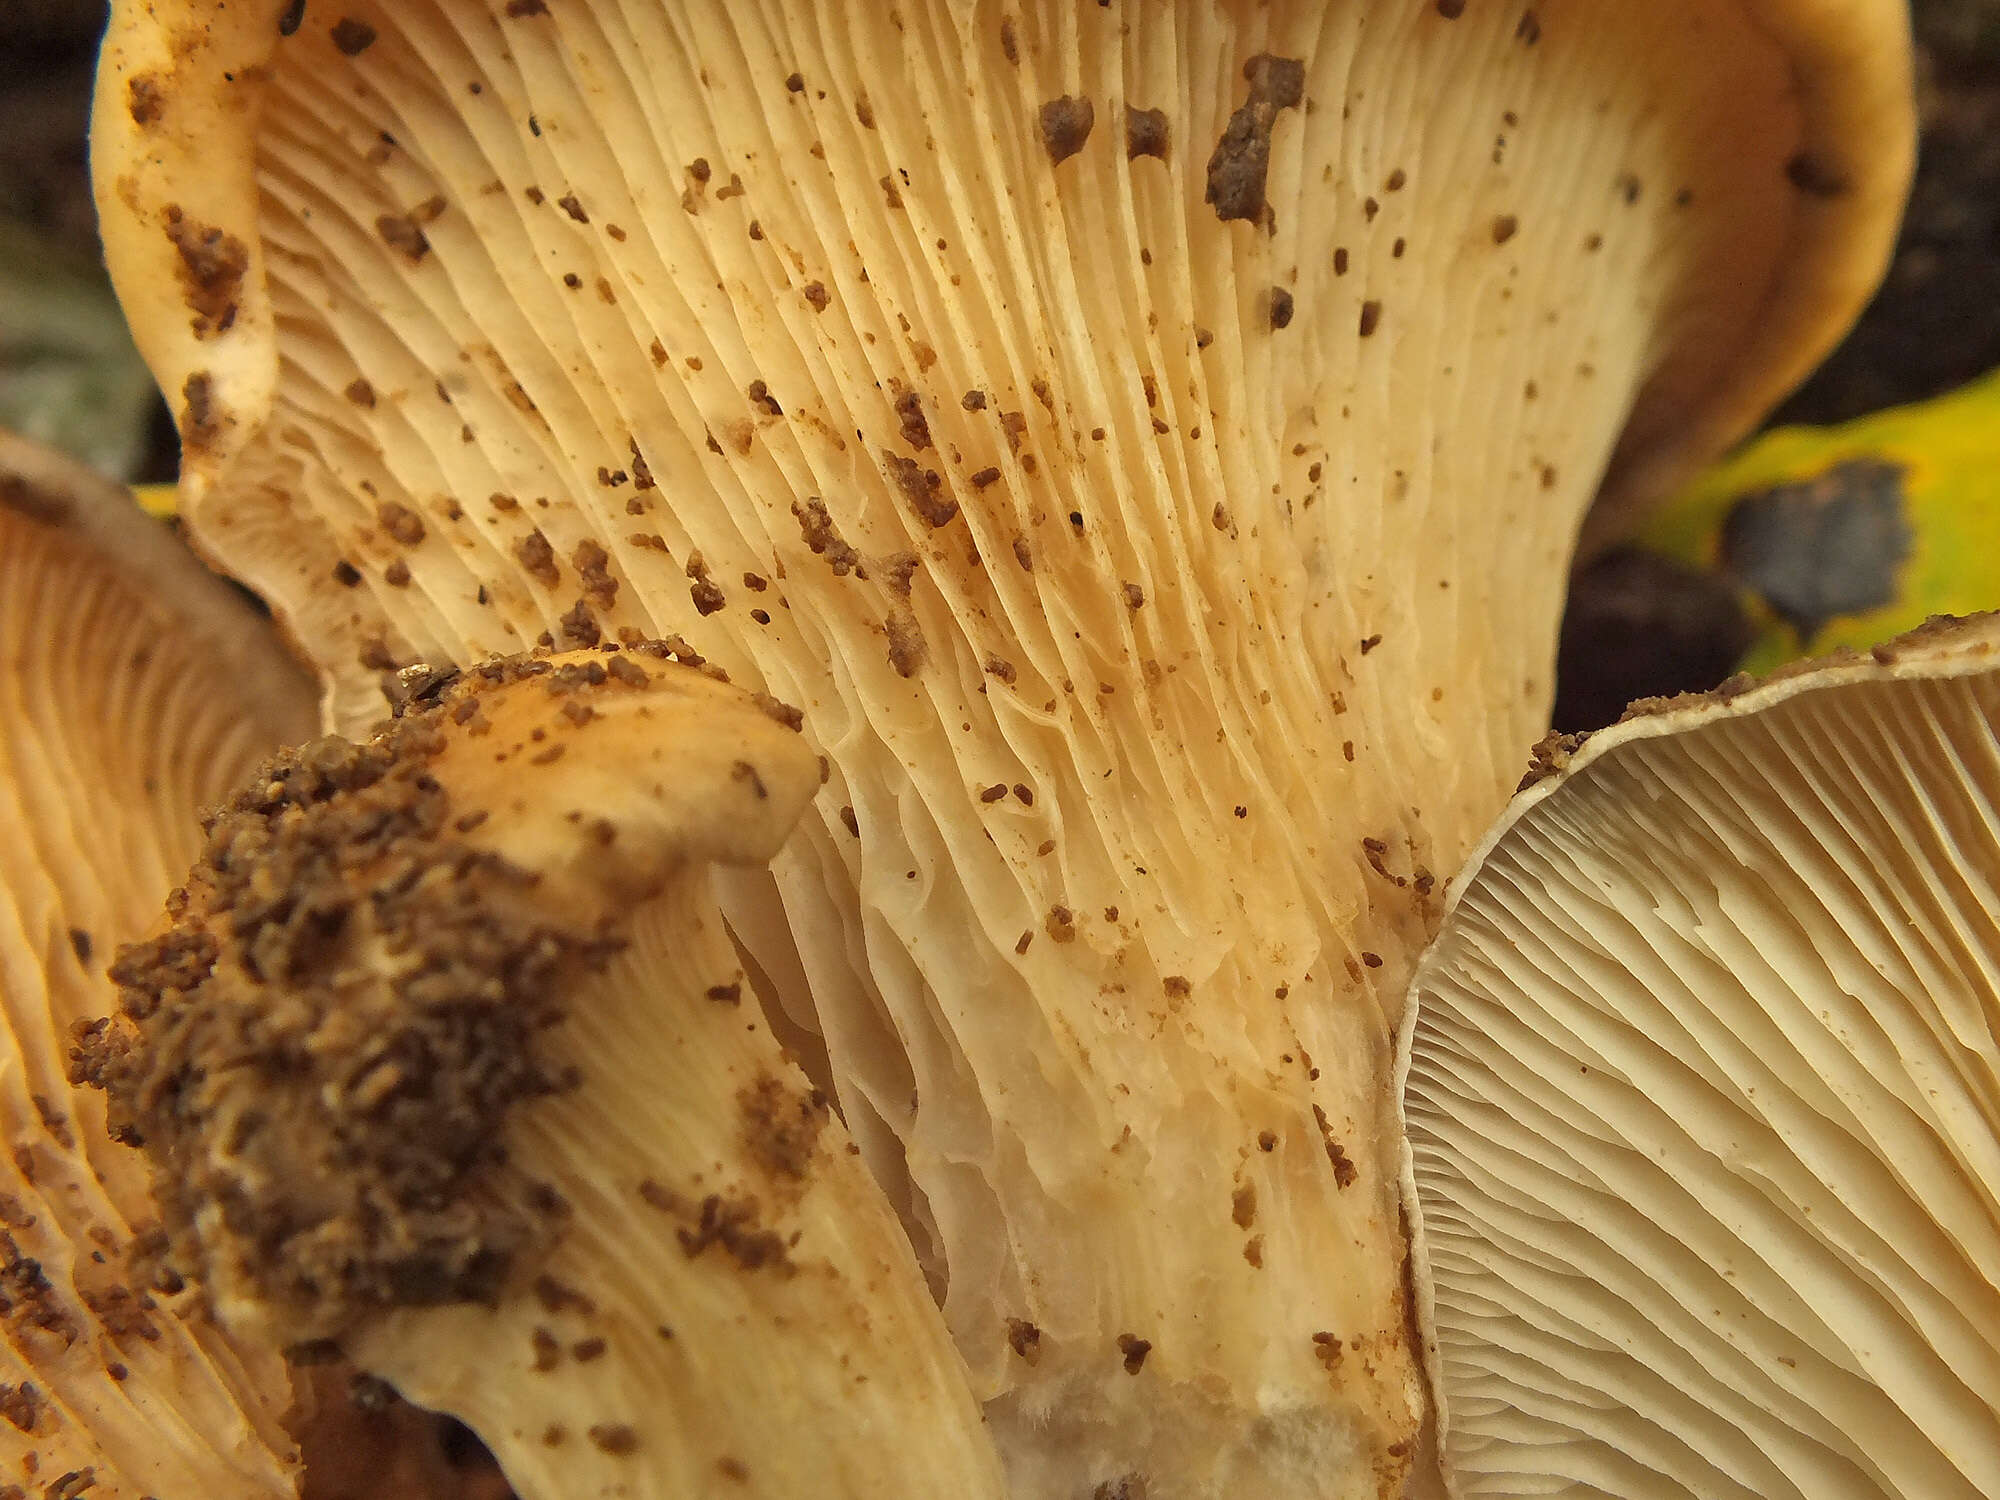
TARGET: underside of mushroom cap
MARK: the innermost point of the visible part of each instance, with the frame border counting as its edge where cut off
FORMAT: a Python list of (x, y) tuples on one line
[(1147, 441), (1700, 1107), (136, 688)]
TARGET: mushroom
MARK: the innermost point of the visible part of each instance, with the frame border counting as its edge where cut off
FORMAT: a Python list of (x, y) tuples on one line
[(443, 1062), (1700, 1100), (137, 688), (1148, 442)]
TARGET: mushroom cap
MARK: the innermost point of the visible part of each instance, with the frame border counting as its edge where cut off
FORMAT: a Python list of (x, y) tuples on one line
[(443, 1060), (1147, 442), (1698, 1085), (137, 686), (1852, 157)]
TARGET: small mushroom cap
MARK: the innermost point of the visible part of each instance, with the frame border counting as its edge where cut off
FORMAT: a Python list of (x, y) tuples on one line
[(136, 687), (320, 1048), (445, 1062), (1698, 1084)]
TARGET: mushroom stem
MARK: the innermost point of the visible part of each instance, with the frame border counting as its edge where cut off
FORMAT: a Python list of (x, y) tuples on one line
[(466, 1080)]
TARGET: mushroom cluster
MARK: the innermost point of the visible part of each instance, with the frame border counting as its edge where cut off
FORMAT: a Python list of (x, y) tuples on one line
[(1145, 440)]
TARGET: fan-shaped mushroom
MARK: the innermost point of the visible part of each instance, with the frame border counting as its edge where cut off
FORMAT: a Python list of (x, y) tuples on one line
[(1700, 1092), (1147, 440)]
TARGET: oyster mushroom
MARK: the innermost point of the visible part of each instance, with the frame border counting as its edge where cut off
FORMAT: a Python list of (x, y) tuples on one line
[(136, 689), (443, 1062), (1148, 441), (1700, 1100)]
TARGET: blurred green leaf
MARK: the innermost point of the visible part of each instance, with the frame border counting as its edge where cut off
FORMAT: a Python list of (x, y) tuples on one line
[(69, 375)]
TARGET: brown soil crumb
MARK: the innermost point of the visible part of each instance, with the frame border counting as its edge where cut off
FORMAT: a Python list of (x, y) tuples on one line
[(580, 630), (1550, 757), (816, 294), (1135, 1350), (1024, 1338), (1326, 1349), (212, 266), (1241, 162), (732, 1224), (821, 537), (20, 1405), (352, 37), (614, 1438), (535, 554), (908, 651), (593, 571), (1344, 1171), (547, 1351), (54, 1121), (1146, 133), (201, 414), (341, 1118), (1243, 1206), (910, 415), (402, 232), (402, 523), (703, 590), (1280, 307), (28, 1300), (781, 1128), (1066, 125), (921, 488), (144, 99)]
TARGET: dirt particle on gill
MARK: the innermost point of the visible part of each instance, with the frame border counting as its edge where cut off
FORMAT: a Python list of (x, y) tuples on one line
[(1065, 125), (212, 265), (1241, 162)]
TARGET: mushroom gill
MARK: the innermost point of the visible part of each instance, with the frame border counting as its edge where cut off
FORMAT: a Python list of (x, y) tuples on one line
[(1700, 1093), (136, 689), (1147, 440)]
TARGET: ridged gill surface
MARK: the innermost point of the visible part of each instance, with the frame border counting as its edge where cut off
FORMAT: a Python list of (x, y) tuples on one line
[(118, 724), (1703, 1103), (1165, 551)]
